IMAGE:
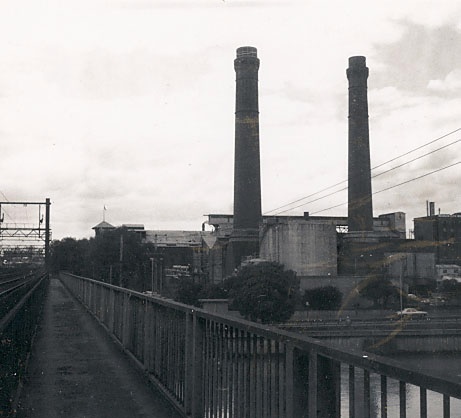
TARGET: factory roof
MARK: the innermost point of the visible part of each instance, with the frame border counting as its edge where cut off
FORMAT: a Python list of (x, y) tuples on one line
[(168, 238)]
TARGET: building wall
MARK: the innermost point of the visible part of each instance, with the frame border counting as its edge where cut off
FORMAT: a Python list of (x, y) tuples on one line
[(444, 232), (413, 265), (306, 247)]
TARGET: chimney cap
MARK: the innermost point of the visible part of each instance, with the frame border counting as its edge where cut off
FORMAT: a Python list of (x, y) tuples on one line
[(247, 51), (357, 61)]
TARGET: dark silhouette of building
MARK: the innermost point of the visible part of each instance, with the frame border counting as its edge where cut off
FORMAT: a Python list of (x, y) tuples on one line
[(442, 235)]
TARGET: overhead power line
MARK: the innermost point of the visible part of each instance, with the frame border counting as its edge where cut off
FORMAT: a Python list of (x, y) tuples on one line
[(394, 186), (376, 175), (374, 168)]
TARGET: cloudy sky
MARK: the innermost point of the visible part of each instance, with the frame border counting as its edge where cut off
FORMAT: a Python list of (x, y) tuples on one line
[(129, 104)]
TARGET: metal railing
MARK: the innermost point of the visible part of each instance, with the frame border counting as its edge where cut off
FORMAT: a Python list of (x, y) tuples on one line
[(18, 324), (211, 365)]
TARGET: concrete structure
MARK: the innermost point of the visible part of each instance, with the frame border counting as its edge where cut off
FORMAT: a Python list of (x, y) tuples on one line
[(305, 246), (360, 209), (186, 248), (247, 183), (441, 233)]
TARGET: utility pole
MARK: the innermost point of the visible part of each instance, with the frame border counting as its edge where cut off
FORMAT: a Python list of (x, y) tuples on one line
[(47, 233)]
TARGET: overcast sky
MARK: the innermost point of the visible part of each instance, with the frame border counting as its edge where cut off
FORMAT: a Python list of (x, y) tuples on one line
[(130, 104)]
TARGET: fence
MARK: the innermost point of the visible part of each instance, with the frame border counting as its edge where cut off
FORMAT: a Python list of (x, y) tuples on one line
[(17, 329), (212, 366)]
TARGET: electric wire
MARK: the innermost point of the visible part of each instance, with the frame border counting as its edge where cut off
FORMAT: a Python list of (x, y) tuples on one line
[(394, 186), (376, 175), (380, 165)]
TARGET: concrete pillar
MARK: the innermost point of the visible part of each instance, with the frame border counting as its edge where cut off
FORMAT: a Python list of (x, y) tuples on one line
[(360, 209)]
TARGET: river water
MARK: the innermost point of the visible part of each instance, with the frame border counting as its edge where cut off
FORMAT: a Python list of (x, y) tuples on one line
[(438, 365)]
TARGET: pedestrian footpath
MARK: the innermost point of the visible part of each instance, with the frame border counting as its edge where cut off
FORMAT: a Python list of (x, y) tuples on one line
[(76, 370)]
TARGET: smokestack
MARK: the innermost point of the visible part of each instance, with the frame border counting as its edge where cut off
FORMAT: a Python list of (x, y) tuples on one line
[(244, 239), (360, 209), (247, 182), (431, 208)]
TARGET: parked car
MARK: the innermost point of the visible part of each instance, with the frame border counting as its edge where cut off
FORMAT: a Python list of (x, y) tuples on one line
[(411, 313)]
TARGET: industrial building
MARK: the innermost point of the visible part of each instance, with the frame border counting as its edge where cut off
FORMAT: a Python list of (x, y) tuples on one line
[(322, 250), (442, 234)]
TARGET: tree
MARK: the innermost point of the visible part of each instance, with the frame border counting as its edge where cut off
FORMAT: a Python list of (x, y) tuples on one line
[(323, 298), (378, 290), (263, 292), (70, 254), (188, 292)]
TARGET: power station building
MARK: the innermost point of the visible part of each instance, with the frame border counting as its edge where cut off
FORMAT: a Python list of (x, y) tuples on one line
[(322, 250)]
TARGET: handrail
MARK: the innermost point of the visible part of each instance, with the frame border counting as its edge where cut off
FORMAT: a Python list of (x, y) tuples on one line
[(205, 362)]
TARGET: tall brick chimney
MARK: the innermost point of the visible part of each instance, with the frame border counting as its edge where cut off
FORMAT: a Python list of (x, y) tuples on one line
[(360, 207), (247, 177)]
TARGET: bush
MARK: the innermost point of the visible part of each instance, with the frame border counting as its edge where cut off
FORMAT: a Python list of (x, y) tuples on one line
[(188, 292), (263, 292), (378, 290), (323, 298)]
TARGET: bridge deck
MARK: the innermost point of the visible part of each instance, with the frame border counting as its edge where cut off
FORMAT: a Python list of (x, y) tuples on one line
[(77, 371)]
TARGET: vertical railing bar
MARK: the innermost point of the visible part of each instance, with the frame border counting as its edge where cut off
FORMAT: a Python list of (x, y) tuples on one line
[(403, 399), (226, 370), (366, 394), (209, 367), (289, 376), (198, 362), (266, 376), (252, 379), (423, 402), (283, 379), (214, 362), (258, 378), (220, 371), (351, 391), (232, 371), (383, 396), (446, 406), (241, 393), (313, 384), (274, 393), (246, 383)]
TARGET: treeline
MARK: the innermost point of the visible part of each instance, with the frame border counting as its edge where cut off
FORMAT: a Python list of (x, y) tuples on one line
[(116, 257)]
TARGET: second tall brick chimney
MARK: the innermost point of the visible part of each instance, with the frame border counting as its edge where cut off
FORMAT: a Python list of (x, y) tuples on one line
[(360, 207)]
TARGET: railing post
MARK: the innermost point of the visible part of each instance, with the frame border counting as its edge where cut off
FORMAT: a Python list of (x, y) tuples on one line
[(126, 329), (189, 363), (328, 387), (197, 391), (298, 383)]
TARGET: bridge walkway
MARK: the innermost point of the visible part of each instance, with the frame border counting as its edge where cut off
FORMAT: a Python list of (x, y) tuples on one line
[(76, 370)]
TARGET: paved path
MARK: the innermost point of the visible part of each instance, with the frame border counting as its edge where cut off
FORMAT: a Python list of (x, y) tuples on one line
[(77, 371)]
